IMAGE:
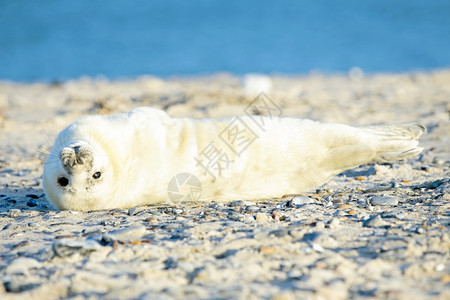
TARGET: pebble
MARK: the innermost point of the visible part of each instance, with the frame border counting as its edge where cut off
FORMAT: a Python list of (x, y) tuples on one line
[(18, 287), (279, 232), (374, 221), (400, 215), (14, 213), (351, 212), (299, 200), (248, 218), (320, 225), (334, 223), (32, 203), (439, 267), (267, 250), (21, 265), (132, 211), (320, 238), (130, 233), (420, 230), (432, 185), (262, 217), (344, 206), (438, 161), (217, 205), (252, 208), (177, 211), (384, 201), (240, 203), (66, 247)]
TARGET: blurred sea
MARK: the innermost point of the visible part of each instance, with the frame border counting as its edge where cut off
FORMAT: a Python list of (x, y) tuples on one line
[(62, 39)]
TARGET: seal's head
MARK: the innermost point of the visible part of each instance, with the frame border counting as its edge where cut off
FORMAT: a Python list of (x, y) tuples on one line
[(76, 176)]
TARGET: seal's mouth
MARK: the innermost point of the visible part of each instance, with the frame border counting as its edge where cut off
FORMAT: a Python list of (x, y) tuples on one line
[(75, 157)]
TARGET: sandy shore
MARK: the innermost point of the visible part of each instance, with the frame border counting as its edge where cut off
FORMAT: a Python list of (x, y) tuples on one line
[(379, 231)]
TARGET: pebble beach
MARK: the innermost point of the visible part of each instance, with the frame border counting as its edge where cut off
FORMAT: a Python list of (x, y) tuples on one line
[(379, 231)]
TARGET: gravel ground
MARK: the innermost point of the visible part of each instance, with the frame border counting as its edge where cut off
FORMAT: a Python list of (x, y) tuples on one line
[(374, 232)]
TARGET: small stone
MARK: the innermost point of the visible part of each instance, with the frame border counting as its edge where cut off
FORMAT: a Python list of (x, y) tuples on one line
[(240, 203), (128, 233), (14, 213), (32, 196), (360, 178), (438, 161), (20, 266), (375, 221), (299, 200), (151, 220), (21, 244), (344, 206), (432, 185), (395, 184), (227, 253), (352, 212), (66, 247), (171, 226), (262, 217), (317, 247), (32, 203), (425, 168), (217, 205), (279, 232), (252, 208), (420, 230), (18, 287), (267, 250), (384, 201), (400, 215), (248, 218), (320, 225), (321, 239), (132, 211), (334, 223), (445, 278), (439, 267)]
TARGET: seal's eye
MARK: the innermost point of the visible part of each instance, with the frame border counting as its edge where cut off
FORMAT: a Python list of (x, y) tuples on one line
[(97, 175), (63, 181)]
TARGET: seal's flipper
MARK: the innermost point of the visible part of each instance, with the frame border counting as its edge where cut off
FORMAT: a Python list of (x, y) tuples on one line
[(352, 147)]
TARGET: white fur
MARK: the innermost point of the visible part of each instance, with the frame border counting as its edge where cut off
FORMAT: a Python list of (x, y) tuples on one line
[(139, 153)]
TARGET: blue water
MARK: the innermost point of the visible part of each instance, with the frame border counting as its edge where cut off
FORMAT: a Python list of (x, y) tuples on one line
[(62, 39)]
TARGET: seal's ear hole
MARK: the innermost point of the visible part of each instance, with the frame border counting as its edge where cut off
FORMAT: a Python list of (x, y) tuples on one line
[(96, 175), (63, 181)]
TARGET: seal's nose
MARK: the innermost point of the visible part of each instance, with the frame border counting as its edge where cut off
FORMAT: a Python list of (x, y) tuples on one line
[(74, 156), (76, 149)]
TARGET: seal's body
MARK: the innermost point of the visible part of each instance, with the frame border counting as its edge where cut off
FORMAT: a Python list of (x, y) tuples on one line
[(125, 160)]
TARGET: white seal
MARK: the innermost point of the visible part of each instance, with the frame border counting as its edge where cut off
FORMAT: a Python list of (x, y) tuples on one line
[(145, 157)]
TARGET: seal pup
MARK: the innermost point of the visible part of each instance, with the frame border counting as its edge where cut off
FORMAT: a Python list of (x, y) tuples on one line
[(126, 160)]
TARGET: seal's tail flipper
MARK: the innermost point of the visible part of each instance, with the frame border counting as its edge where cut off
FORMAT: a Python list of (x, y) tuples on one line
[(351, 147), (394, 142)]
